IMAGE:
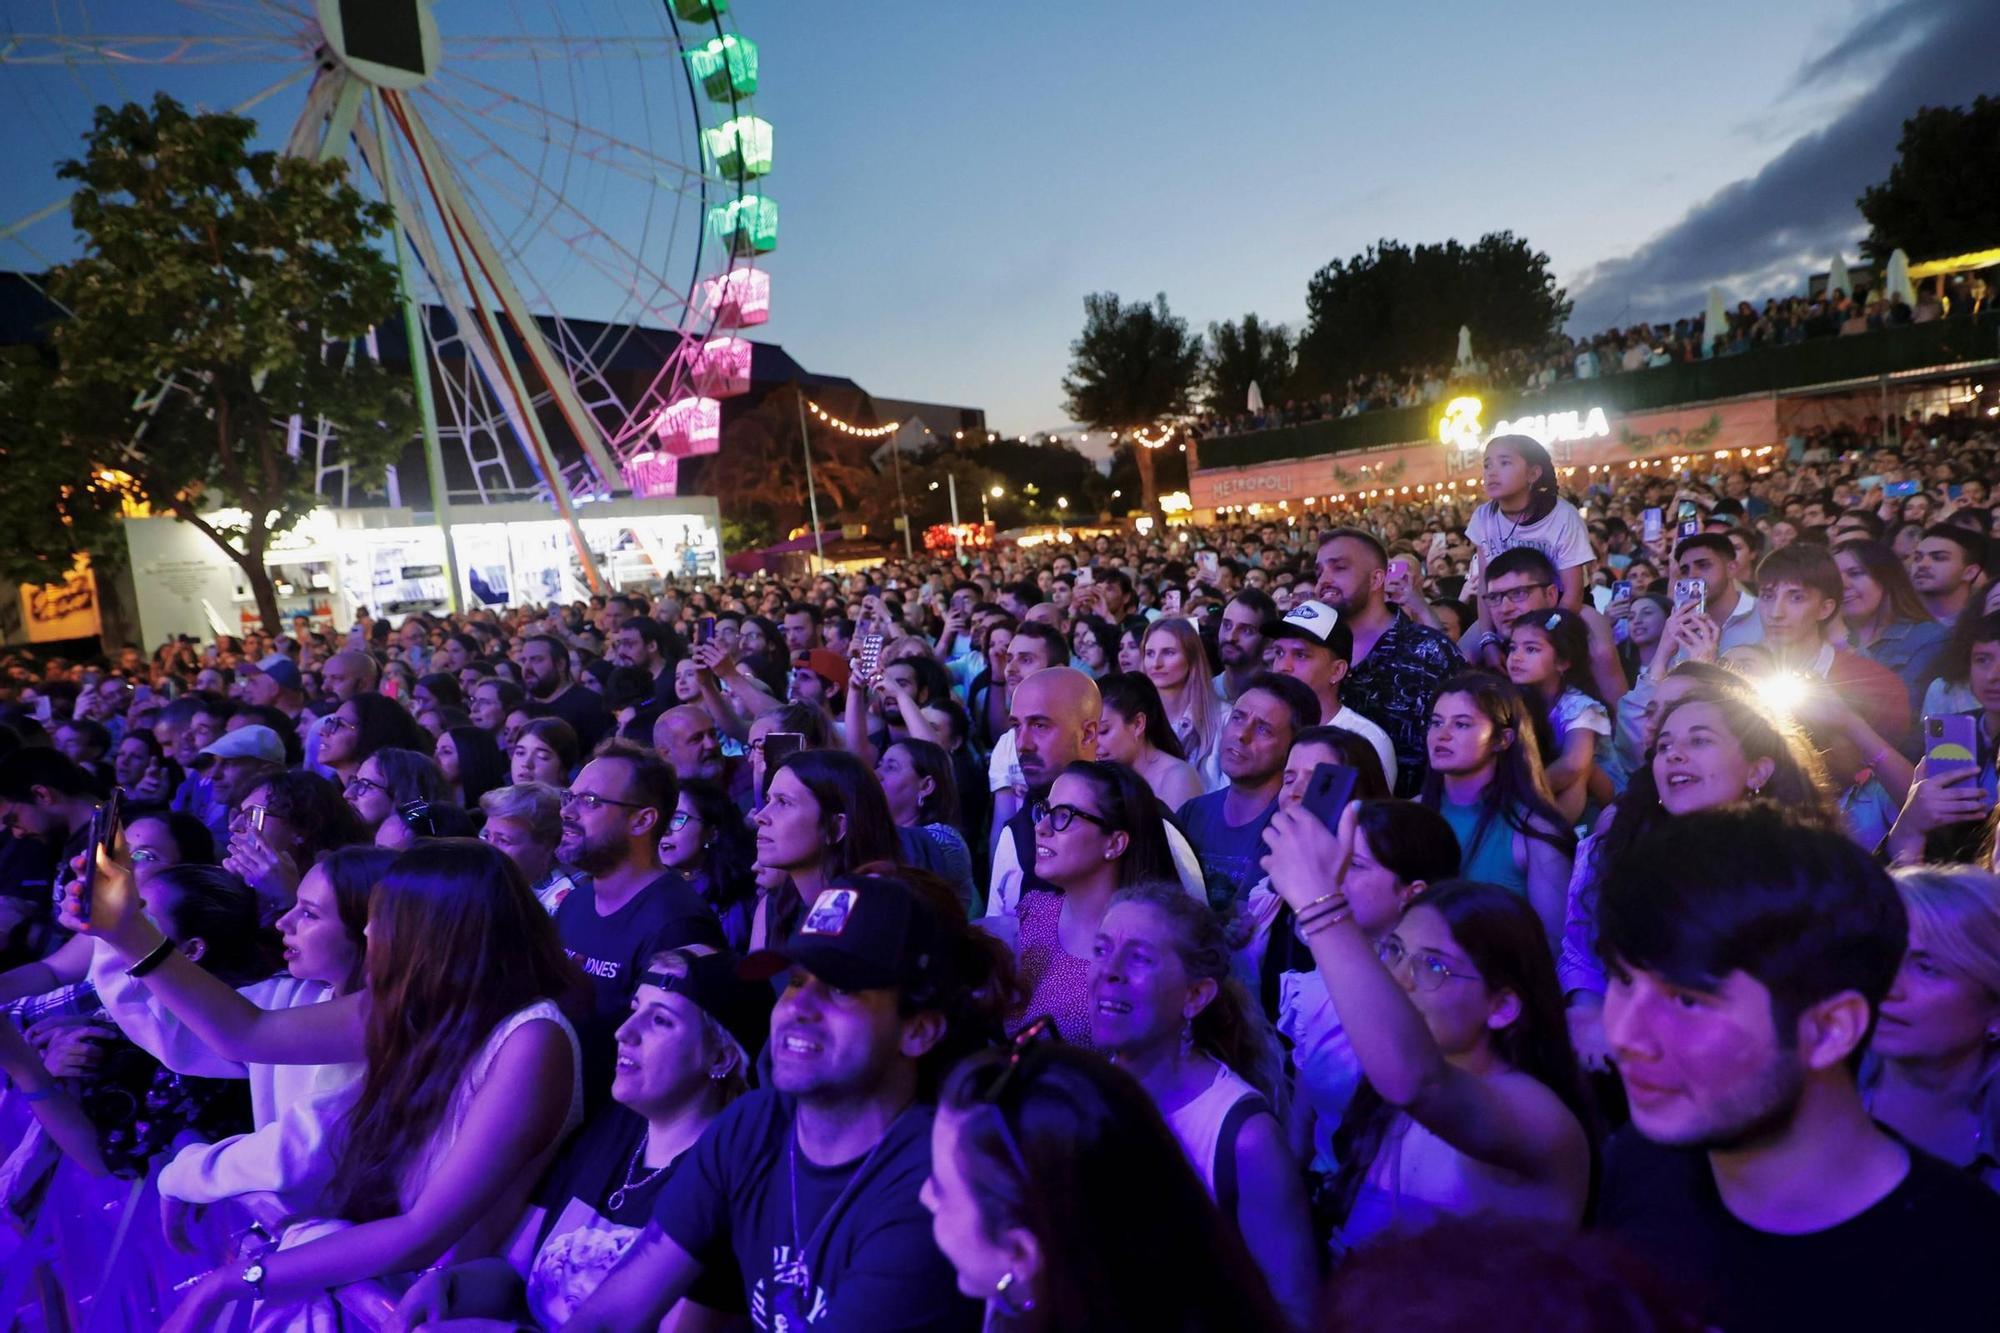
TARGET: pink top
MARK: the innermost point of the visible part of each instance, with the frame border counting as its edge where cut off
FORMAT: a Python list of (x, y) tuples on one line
[(1057, 982)]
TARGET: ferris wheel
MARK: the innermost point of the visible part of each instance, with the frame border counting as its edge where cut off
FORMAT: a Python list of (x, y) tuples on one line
[(579, 190)]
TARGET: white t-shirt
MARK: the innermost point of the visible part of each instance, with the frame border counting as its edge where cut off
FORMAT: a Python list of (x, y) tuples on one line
[(1560, 536), (1349, 720)]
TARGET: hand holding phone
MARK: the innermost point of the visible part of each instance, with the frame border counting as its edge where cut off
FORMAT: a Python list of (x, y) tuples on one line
[(103, 840)]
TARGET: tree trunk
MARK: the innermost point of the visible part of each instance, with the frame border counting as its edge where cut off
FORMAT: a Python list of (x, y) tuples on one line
[(1149, 496), (259, 575)]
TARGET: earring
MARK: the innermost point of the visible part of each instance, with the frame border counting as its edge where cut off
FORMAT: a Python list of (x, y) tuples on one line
[(1187, 1036), (1011, 1304)]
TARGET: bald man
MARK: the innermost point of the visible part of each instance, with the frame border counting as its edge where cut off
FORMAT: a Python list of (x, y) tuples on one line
[(1055, 719), (685, 737), (347, 674)]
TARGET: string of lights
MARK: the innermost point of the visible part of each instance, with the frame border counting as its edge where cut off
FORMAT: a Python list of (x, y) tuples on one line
[(1140, 437), (848, 427)]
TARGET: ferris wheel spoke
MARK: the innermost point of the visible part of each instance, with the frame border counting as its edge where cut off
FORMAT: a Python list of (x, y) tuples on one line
[(256, 15), (605, 140), (68, 49)]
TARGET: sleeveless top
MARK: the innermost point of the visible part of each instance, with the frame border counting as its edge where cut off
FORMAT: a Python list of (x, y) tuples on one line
[(1056, 981), (1208, 1126)]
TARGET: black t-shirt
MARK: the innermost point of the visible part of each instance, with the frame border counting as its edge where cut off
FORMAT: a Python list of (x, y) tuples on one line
[(862, 1256), (612, 951), (1921, 1258), (583, 1236), (586, 713)]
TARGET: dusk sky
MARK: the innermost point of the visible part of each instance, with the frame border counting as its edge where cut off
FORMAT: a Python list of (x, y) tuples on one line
[(955, 178)]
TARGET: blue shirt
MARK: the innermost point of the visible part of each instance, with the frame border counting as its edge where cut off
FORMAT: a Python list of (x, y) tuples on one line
[(1228, 852)]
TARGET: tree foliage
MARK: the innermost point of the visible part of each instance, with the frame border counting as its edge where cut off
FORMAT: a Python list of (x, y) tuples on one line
[(1240, 355), (1395, 307), (1133, 365), (219, 293), (1941, 197)]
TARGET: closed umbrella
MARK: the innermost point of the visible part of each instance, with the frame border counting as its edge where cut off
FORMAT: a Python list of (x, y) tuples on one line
[(1464, 346), (1256, 403), (1836, 278), (1714, 321), (1898, 281)]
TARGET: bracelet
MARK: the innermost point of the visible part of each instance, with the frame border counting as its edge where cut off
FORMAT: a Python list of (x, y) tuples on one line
[(1323, 898), (1322, 923), (1309, 917), (41, 1096), (151, 960)]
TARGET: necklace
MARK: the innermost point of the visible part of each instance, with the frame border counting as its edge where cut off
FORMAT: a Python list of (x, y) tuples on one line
[(617, 1200), (795, 1275)]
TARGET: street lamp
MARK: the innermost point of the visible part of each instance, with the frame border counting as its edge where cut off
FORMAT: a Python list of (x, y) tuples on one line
[(1062, 507), (985, 517)]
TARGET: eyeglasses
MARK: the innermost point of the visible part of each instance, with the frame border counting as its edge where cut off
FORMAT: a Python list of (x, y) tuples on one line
[(1428, 971), (1060, 817), (360, 786), (591, 801), (1038, 1033), (678, 820), (144, 855), (333, 722), (1515, 596)]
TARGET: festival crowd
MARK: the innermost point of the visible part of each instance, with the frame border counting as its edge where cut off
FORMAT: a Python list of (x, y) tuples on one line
[(1576, 910), (1780, 322)]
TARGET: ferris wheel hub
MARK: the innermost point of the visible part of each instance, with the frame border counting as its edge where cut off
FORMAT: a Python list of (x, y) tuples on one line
[(389, 43)]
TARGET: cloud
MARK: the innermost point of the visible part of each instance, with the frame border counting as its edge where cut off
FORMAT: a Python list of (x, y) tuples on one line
[(1763, 234)]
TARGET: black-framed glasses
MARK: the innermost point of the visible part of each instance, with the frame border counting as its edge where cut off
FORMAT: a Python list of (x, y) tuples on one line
[(333, 723), (678, 820), (1040, 1032), (1428, 971), (1511, 596), (360, 786), (591, 801), (1060, 817)]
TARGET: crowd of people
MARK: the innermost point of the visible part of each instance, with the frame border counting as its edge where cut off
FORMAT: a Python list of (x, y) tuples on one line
[(1780, 322), (1577, 910)]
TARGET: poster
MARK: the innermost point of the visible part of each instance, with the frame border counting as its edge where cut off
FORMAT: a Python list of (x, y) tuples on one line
[(51, 612)]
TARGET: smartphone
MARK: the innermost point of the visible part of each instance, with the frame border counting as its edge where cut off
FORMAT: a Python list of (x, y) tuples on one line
[(103, 833), (1209, 564), (1084, 577), (257, 813), (1170, 602), (1654, 525), (1897, 490), (1409, 569), (1688, 510), (1328, 792), (1690, 527), (1437, 544), (870, 659), (1691, 590), (1951, 742), (1954, 492)]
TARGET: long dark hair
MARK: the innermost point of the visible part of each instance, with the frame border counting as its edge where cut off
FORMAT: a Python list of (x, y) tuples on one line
[(481, 765), (1519, 793), (410, 776), (384, 724), (1067, 1146), (352, 873), (1356, 751), (211, 904), (1129, 807), (840, 785), (1132, 694), (1509, 947), (931, 761), (1544, 491), (731, 851), (457, 943), (1879, 562)]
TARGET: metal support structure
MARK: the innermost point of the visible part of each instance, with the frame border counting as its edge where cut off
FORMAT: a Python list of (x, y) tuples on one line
[(812, 491), (420, 373), (957, 545), (902, 505)]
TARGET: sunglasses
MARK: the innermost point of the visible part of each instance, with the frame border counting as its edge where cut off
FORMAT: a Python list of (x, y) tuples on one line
[(1038, 1034)]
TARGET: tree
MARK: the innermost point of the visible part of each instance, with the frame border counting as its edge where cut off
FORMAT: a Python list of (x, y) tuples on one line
[(217, 294), (1241, 355), (1394, 308), (1940, 198), (1133, 366)]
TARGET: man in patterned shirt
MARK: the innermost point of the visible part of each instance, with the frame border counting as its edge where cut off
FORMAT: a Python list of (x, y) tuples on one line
[(1397, 662)]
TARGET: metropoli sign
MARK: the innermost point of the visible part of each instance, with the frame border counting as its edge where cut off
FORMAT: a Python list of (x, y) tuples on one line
[(1459, 427)]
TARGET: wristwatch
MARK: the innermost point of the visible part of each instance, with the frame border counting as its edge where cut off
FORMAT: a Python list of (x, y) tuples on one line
[(253, 1278)]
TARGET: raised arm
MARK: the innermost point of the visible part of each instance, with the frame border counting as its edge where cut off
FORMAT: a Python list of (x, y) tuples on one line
[(226, 1022), (1503, 1122)]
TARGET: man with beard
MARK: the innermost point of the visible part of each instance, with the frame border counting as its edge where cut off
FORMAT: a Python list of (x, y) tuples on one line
[(545, 671), (1749, 955), (1397, 663), (810, 1186), (1240, 641), (612, 819)]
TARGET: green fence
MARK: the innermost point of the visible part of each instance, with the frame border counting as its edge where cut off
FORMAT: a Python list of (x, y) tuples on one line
[(1767, 370)]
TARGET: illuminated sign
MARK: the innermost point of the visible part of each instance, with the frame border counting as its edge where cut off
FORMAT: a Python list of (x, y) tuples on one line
[(1175, 502), (1459, 428), (1560, 427)]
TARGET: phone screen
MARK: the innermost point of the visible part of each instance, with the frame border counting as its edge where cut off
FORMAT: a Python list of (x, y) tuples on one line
[(704, 630)]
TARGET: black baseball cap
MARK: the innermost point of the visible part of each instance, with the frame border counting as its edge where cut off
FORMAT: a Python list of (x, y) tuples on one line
[(712, 982), (1314, 622), (863, 932)]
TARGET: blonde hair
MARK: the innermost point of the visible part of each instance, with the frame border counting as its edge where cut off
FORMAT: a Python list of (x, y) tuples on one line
[(1200, 718), (535, 804), (1955, 910)]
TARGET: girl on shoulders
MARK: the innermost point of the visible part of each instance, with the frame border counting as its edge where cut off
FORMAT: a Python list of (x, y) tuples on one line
[(1525, 508)]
